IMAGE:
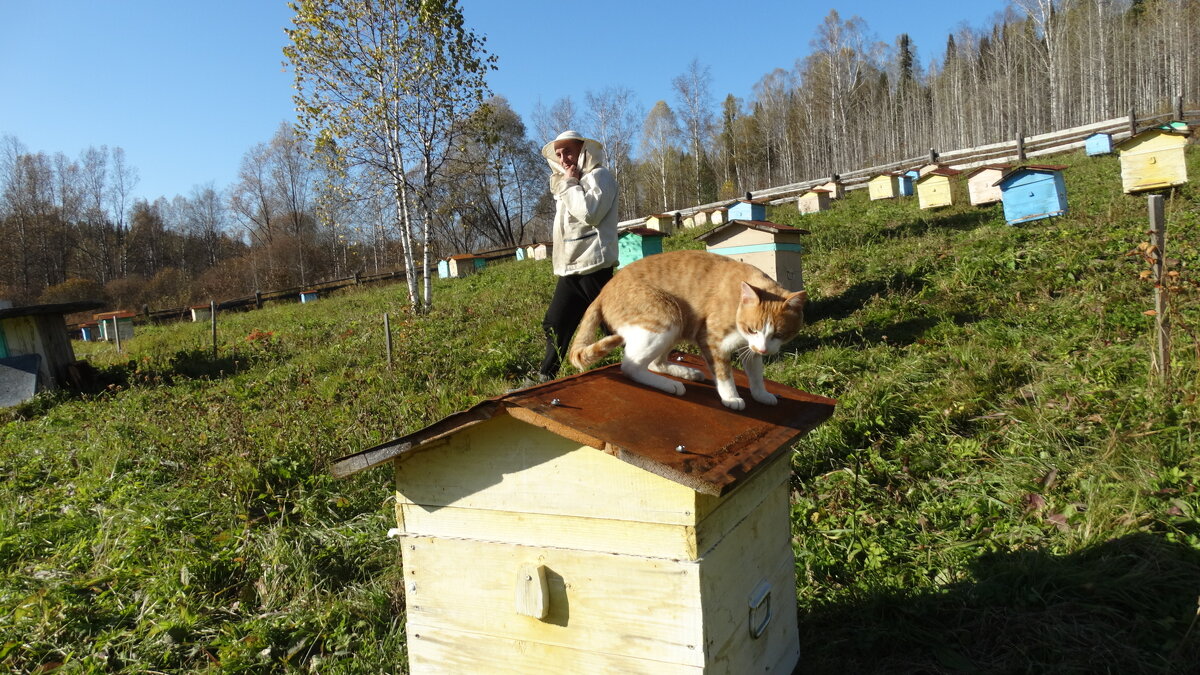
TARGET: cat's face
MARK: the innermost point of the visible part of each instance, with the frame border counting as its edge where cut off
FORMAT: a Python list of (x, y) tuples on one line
[(767, 322)]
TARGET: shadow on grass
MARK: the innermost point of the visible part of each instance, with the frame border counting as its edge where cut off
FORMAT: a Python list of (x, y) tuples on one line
[(1125, 606), (961, 221), (857, 296)]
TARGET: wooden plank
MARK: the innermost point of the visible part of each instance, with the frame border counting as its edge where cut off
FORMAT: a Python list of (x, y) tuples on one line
[(720, 515), (654, 540), (524, 469), (611, 604), (757, 551), (434, 651)]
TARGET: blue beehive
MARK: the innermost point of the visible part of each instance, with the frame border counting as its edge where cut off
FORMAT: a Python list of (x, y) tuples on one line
[(747, 209), (1033, 192), (637, 243), (904, 180), (520, 253), (443, 269), (308, 296), (1098, 144)]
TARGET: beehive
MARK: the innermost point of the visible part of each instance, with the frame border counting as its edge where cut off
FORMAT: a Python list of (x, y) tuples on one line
[(773, 248), (983, 183), (883, 186), (41, 331), (1153, 159), (591, 525), (663, 222), (834, 187), (459, 266), (113, 325), (1033, 192), (202, 312), (1098, 144), (934, 188), (747, 209), (904, 181), (813, 201), (636, 243)]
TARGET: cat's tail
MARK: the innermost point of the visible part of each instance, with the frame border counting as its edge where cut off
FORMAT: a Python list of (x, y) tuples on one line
[(584, 352)]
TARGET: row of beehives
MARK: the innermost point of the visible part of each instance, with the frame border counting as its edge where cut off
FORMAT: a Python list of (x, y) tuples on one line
[(1151, 160)]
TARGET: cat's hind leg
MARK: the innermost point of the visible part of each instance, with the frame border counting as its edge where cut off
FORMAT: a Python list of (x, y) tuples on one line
[(644, 348), (664, 365)]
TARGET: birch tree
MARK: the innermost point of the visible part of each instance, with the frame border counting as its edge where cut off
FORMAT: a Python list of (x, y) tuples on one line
[(381, 87)]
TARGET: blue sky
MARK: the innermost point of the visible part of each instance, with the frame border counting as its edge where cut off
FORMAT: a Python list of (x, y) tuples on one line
[(186, 88)]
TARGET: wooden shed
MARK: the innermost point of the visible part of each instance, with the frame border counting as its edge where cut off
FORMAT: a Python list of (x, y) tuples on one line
[(1033, 192), (1098, 144), (590, 525), (773, 248), (983, 183), (1153, 159), (934, 189), (663, 222), (37, 335), (113, 325), (816, 199), (636, 243), (747, 209), (904, 182), (883, 186)]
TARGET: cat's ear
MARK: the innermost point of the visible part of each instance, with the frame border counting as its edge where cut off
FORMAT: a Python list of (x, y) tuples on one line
[(749, 294), (796, 301)]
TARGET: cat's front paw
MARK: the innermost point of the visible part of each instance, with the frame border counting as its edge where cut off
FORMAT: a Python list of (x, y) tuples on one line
[(735, 403), (765, 397), (672, 387)]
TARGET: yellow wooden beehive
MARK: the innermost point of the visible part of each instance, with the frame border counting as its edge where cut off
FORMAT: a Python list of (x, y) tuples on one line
[(593, 525), (1153, 159), (883, 186), (934, 188)]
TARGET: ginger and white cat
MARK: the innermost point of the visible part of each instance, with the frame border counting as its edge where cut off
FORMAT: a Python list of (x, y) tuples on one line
[(721, 305)]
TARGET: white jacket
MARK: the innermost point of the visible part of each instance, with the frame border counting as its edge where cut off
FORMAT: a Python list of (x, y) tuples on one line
[(585, 213)]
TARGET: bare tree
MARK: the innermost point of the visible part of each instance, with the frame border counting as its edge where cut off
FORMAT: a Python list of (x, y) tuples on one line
[(693, 93)]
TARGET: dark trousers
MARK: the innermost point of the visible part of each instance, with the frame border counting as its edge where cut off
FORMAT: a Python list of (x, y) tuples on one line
[(572, 296)]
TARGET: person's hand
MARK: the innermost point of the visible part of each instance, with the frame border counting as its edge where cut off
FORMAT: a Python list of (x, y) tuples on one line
[(574, 172)]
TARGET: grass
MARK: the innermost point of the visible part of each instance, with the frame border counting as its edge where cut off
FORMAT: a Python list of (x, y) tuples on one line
[(1004, 486)]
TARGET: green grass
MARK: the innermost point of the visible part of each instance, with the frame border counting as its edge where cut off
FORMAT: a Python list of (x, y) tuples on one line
[(1004, 486)]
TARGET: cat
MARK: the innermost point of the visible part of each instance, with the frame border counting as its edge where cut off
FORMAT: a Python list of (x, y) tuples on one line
[(719, 304)]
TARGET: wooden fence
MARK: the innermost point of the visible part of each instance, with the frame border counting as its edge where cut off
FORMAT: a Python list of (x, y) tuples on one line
[(1016, 150)]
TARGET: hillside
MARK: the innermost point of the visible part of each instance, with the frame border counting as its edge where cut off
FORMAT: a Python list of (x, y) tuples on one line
[(1003, 487)]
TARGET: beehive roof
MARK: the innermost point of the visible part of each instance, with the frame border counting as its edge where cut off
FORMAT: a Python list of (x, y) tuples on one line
[(988, 167), (607, 411), (643, 231), (760, 225), (1167, 130), (57, 308), (1035, 168)]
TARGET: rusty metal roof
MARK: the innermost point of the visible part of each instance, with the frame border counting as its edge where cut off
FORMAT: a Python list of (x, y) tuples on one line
[(645, 427), (760, 225), (643, 231)]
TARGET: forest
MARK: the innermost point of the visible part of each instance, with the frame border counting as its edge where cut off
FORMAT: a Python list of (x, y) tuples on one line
[(464, 175)]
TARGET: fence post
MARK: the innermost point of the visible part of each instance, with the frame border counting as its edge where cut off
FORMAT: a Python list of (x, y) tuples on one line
[(1132, 121), (387, 331), (933, 156), (117, 333), (1179, 108), (1021, 145), (212, 318), (1162, 323), (257, 300)]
